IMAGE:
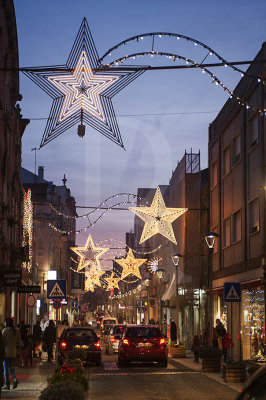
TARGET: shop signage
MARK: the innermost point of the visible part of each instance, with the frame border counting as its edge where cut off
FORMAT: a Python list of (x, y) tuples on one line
[(11, 278), (29, 289), (232, 292)]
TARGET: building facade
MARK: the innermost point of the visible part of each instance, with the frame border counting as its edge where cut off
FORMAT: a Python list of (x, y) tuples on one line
[(237, 164)]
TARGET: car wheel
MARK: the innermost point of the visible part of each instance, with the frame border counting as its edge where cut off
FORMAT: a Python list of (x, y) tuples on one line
[(163, 363), (98, 362), (122, 363)]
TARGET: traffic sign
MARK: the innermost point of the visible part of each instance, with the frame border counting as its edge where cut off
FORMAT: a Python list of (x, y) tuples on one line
[(31, 300), (74, 304), (57, 304), (74, 311), (232, 292), (56, 289), (29, 289)]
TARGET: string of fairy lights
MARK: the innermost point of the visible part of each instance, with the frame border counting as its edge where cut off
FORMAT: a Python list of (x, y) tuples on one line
[(215, 79), (27, 228), (253, 304)]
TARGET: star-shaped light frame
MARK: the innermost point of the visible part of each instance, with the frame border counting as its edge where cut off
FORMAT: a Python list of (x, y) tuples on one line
[(89, 255), (158, 218), (130, 265), (112, 282), (79, 93)]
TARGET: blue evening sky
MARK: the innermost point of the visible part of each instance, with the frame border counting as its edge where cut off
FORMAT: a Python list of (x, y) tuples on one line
[(95, 167)]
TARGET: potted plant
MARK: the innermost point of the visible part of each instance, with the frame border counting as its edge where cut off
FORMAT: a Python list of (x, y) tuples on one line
[(69, 372), (63, 390), (235, 371), (178, 350), (211, 358)]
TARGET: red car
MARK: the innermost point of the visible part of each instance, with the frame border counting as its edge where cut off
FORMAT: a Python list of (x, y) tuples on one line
[(142, 343)]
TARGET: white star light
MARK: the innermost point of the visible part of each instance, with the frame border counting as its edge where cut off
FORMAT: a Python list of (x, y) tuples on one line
[(81, 89)]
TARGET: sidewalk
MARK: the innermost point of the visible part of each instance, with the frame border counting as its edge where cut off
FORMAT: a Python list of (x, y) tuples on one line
[(217, 376), (32, 380)]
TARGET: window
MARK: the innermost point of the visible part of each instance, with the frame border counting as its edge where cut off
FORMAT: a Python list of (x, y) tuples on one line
[(254, 216), (214, 175), (236, 228), (236, 150), (226, 161), (226, 233), (253, 133)]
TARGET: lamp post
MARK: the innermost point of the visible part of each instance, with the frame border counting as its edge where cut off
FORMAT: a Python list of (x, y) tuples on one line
[(160, 272), (175, 259), (210, 238), (147, 283), (139, 287)]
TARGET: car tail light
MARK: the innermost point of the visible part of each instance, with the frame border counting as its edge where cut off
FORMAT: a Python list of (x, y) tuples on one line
[(125, 341), (113, 339), (97, 345), (63, 345), (98, 322), (162, 341)]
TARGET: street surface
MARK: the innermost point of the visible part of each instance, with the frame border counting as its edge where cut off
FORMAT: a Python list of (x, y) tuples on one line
[(150, 382)]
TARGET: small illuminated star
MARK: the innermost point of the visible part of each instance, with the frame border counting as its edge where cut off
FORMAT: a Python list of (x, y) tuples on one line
[(89, 254), (158, 218), (130, 265), (112, 282)]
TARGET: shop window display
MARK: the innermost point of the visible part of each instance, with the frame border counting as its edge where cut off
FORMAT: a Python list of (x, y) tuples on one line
[(253, 323)]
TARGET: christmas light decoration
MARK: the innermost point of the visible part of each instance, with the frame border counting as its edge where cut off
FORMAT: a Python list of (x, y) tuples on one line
[(153, 265), (81, 94), (112, 282), (27, 230), (158, 218), (130, 265), (93, 276), (89, 254)]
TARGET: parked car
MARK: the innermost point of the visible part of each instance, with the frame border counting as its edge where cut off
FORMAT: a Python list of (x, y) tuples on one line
[(106, 321), (255, 389), (79, 339), (113, 338), (142, 343)]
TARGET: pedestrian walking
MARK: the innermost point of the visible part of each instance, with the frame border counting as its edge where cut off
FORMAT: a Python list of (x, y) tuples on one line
[(220, 331), (49, 339), (11, 342), (2, 357), (227, 343), (173, 331), (196, 347), (37, 339)]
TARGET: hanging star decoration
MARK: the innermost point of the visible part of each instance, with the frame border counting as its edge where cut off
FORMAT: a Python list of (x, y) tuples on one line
[(130, 265), (158, 218), (112, 282), (81, 92), (92, 277), (88, 284), (153, 265), (89, 255)]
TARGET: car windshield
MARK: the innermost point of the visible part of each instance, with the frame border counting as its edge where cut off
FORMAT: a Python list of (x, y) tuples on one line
[(119, 329), (81, 333), (143, 332)]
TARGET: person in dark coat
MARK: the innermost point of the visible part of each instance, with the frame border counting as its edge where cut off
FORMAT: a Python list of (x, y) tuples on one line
[(49, 339), (173, 331), (37, 339), (196, 347), (2, 357)]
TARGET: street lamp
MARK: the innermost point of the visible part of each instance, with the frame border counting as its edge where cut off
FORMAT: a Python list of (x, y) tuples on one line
[(175, 258), (160, 272), (210, 238), (139, 287), (147, 284)]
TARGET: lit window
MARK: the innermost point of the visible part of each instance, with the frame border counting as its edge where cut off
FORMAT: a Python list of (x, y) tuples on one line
[(226, 161), (254, 225), (226, 232), (236, 228), (253, 133), (236, 150)]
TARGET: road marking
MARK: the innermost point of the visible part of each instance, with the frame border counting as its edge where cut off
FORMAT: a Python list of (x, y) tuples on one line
[(110, 366), (145, 373)]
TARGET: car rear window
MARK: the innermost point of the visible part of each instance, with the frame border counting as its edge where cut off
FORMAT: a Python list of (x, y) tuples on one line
[(109, 321), (143, 332), (119, 329), (80, 333)]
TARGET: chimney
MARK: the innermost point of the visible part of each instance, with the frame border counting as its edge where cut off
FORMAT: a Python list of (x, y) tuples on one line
[(40, 172)]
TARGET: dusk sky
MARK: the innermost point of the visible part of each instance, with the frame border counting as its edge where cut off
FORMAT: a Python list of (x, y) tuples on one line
[(95, 167)]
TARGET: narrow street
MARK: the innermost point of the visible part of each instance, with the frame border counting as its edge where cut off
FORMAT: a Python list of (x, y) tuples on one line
[(148, 381)]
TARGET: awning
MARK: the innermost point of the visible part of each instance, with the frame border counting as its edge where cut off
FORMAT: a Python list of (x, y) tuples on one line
[(170, 291)]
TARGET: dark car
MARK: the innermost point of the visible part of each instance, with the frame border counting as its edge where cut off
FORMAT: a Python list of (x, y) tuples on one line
[(80, 339), (113, 338), (255, 388), (142, 343)]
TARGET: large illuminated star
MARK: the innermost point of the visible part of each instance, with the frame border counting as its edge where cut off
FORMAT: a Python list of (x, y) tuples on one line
[(112, 282), (93, 277), (89, 254), (81, 90), (158, 218), (130, 265)]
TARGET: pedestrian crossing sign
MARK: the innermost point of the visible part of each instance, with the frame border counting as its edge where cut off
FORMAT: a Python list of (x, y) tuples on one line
[(56, 289), (232, 292)]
